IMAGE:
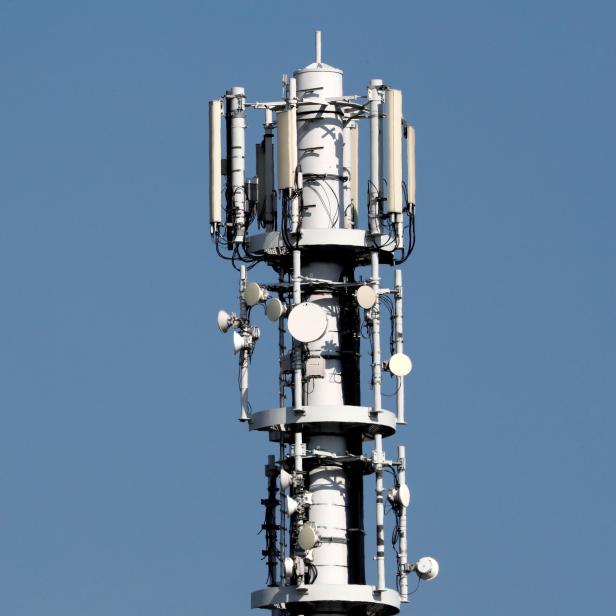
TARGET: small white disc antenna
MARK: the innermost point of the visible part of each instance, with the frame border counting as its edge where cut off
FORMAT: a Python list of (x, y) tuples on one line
[(427, 568), (366, 297), (292, 506), (400, 364), (401, 495), (253, 294), (286, 479), (307, 322), (289, 567), (238, 342), (307, 537), (224, 320), (275, 309)]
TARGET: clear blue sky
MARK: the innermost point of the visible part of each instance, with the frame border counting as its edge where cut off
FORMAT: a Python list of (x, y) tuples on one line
[(127, 486)]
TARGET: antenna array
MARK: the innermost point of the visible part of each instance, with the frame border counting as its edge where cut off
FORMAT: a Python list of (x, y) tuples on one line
[(300, 215)]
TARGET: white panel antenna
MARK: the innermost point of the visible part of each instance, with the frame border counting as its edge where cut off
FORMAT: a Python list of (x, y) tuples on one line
[(260, 164), (215, 163), (354, 132), (393, 99), (410, 164), (287, 147)]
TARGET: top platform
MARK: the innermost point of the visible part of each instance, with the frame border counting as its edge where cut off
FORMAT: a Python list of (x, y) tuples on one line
[(355, 244)]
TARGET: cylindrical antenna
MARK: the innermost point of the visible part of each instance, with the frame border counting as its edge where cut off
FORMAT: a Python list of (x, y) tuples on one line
[(237, 160), (410, 161), (317, 46), (215, 156)]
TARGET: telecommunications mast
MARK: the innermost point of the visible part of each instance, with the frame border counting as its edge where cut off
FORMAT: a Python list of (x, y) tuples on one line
[(301, 215)]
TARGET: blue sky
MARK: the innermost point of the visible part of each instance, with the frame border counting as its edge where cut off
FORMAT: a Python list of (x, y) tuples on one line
[(127, 485)]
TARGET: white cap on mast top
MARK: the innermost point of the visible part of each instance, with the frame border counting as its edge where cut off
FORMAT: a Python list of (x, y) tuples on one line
[(317, 46)]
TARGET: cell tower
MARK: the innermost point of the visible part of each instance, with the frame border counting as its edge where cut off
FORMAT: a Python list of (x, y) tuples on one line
[(300, 215)]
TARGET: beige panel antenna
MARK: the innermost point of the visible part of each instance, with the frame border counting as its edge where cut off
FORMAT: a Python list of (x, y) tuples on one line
[(287, 147), (410, 163), (215, 162), (393, 99)]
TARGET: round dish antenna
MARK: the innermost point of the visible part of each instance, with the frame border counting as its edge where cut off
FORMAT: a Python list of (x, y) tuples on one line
[(274, 309), (253, 294), (427, 568), (400, 364), (292, 506), (366, 297), (224, 320), (400, 495), (307, 322), (238, 342), (307, 537), (286, 479)]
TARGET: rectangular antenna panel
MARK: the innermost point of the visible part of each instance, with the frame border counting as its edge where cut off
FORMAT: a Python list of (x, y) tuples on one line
[(215, 162), (287, 147), (354, 128), (393, 100), (267, 188), (410, 163), (260, 158)]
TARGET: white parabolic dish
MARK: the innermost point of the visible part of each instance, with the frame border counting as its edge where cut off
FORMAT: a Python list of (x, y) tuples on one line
[(307, 322), (366, 297), (400, 364), (253, 294), (274, 309)]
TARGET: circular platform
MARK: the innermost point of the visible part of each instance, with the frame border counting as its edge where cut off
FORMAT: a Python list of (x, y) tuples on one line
[(345, 417), (336, 597), (339, 243)]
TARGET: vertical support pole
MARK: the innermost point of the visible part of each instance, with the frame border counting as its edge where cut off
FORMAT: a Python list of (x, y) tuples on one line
[(298, 446), (379, 457), (376, 333), (238, 162), (298, 398), (403, 551), (317, 46), (381, 155), (244, 352), (281, 353), (374, 191), (399, 342), (270, 526), (378, 438)]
